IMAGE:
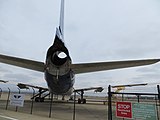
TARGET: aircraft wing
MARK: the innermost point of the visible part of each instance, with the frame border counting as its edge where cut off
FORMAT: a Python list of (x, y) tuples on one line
[(26, 86), (20, 62), (130, 85), (97, 89), (77, 68), (99, 66)]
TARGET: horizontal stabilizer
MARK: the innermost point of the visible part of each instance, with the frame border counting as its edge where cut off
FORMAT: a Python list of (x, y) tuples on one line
[(100, 66), (20, 62)]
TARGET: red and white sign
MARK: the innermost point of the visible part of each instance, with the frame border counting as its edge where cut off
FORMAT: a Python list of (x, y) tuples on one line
[(124, 109)]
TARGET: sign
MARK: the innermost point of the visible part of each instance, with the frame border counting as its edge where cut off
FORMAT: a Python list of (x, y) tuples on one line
[(124, 109), (17, 100), (144, 111)]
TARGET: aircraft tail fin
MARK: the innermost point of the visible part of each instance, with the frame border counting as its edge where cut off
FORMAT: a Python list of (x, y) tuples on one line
[(60, 29)]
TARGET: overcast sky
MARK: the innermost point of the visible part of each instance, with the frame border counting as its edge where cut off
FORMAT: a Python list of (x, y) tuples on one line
[(95, 30)]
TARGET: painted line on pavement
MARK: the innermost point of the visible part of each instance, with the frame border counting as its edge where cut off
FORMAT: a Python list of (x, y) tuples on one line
[(8, 117)]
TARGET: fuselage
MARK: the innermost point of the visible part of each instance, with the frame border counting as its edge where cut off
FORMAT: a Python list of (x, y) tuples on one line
[(58, 73)]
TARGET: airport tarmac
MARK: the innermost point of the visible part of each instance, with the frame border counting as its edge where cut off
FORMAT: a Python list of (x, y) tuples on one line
[(12, 115), (61, 110)]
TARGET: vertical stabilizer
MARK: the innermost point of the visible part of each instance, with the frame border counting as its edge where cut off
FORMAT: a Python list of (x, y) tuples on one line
[(60, 29)]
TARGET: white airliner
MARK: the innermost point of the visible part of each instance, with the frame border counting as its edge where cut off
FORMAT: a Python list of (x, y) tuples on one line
[(59, 71)]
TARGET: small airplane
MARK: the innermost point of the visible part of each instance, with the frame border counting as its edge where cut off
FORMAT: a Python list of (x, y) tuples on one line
[(58, 68)]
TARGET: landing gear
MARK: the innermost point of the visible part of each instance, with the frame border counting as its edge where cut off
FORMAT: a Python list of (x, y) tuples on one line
[(83, 101), (63, 97), (39, 99), (79, 101)]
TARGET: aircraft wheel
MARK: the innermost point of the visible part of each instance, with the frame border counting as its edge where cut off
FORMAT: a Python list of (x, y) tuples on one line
[(37, 99), (79, 101), (41, 99), (84, 101)]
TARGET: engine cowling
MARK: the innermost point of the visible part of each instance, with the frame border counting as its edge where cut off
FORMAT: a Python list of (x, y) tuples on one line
[(59, 58)]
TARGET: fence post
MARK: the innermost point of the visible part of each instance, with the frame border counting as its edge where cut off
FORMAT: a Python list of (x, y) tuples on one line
[(8, 98), (74, 105), (109, 103), (158, 98), (138, 98), (122, 97), (32, 100), (19, 91), (50, 111), (0, 92), (158, 93)]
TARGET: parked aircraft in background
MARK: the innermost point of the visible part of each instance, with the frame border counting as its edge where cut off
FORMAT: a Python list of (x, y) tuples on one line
[(123, 87), (129, 85), (58, 68), (3, 81), (39, 98)]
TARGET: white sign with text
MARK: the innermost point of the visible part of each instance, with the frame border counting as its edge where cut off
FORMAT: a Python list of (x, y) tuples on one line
[(17, 100)]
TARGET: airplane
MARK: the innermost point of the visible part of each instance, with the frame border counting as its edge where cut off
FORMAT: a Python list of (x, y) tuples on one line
[(59, 71), (81, 92)]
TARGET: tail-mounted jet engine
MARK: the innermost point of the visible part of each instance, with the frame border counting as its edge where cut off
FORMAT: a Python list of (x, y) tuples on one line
[(58, 73), (58, 60)]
